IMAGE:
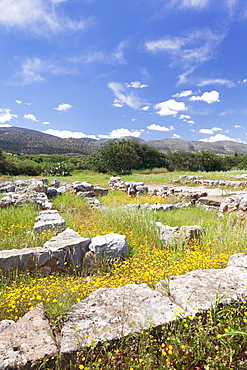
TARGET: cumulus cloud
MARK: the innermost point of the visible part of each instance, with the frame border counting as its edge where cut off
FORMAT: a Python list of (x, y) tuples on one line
[(209, 131), (46, 123), (38, 16), (145, 108), (31, 117), (238, 126), (68, 134), (18, 101), (63, 107), (208, 97), (176, 136), (216, 81), (183, 94), (136, 85), (132, 100), (218, 137), (121, 132), (6, 115), (169, 107), (160, 128), (191, 122), (184, 116), (5, 125)]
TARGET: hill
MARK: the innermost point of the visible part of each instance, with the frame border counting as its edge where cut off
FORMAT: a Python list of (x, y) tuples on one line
[(26, 141)]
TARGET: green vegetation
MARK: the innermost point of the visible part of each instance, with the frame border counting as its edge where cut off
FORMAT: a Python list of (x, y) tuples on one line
[(214, 340)]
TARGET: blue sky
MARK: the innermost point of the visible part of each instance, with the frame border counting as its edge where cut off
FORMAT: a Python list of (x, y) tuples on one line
[(110, 68)]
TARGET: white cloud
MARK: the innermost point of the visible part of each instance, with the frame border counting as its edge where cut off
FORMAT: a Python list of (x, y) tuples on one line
[(189, 4), (18, 101), (169, 108), (121, 132), (46, 123), (136, 85), (145, 108), (191, 122), (176, 136), (132, 100), (6, 115), (209, 131), (31, 117), (117, 103), (208, 97), (184, 116), (68, 134), (219, 137), (238, 126), (217, 81), (160, 128), (37, 16), (63, 107), (183, 94), (133, 119), (118, 54), (5, 125), (189, 51)]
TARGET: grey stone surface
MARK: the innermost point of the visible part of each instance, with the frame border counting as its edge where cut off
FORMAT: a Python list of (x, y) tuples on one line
[(24, 344), (49, 220), (4, 324), (109, 314), (109, 246), (200, 289)]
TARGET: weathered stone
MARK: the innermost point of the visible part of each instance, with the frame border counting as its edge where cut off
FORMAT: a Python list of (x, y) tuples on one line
[(202, 289), (49, 220), (68, 247), (55, 183), (37, 186), (223, 207), (26, 343), (4, 324), (51, 192), (109, 314), (109, 246), (191, 232)]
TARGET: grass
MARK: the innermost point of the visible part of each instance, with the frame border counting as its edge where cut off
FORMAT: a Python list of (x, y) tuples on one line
[(216, 340)]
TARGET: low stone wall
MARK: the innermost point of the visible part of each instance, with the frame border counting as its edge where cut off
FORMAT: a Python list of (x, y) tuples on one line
[(109, 314), (67, 250)]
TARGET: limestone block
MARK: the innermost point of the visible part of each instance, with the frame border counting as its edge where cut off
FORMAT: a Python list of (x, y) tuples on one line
[(109, 246), (37, 186), (69, 247), (49, 220), (26, 343), (201, 288), (109, 314), (55, 182), (191, 232), (4, 324)]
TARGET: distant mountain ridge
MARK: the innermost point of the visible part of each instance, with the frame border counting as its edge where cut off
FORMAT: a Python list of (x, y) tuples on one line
[(26, 141)]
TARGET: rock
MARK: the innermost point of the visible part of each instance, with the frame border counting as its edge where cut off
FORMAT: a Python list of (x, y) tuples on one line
[(55, 182), (223, 207), (45, 181), (26, 343), (51, 192), (37, 186), (202, 288), (49, 220), (109, 314), (68, 247), (4, 324), (109, 246), (64, 251), (191, 232)]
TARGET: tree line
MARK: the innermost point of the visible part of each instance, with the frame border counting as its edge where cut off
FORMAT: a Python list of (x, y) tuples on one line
[(119, 158)]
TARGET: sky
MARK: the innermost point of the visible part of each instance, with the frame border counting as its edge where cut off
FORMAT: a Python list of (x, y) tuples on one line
[(152, 69)]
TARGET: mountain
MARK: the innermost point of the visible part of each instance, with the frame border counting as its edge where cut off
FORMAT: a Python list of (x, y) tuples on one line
[(26, 141)]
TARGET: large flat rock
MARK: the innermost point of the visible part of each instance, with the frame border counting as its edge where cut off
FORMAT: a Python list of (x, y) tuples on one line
[(24, 344), (109, 314)]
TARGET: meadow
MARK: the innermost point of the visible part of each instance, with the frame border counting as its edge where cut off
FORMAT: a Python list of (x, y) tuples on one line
[(213, 340)]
